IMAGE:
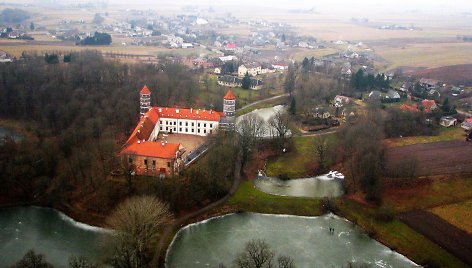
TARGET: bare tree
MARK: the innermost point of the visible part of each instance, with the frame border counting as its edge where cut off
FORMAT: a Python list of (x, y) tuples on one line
[(285, 262), (136, 222), (280, 126), (321, 149), (250, 128), (257, 254), (32, 260)]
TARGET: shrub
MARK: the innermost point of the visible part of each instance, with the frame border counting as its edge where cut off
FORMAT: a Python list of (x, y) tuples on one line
[(385, 214)]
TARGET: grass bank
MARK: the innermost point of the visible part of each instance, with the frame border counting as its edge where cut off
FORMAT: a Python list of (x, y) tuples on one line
[(445, 134), (398, 236), (301, 161), (458, 215), (249, 198)]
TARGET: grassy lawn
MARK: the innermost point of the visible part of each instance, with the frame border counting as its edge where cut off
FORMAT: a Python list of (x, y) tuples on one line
[(398, 236), (295, 162), (459, 214), (426, 196), (249, 198), (299, 162), (445, 134)]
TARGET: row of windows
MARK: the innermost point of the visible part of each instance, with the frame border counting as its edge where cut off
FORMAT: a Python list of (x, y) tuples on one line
[(186, 130), (130, 160), (186, 124)]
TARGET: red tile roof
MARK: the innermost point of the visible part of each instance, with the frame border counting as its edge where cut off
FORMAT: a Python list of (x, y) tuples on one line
[(153, 149), (145, 90), (192, 114), (231, 45), (145, 127), (229, 95), (411, 108), (428, 105)]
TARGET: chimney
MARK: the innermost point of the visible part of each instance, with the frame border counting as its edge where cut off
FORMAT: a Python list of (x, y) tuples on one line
[(162, 143), (177, 111), (139, 142), (191, 110)]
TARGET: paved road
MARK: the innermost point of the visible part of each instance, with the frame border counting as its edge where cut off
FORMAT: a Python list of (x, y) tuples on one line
[(464, 113), (159, 257), (264, 100)]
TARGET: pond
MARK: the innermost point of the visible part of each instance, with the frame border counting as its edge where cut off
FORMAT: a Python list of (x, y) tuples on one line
[(306, 239), (315, 187), (265, 114), (46, 231), (6, 132)]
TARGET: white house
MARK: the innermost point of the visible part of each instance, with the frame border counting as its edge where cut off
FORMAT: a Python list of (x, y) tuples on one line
[(252, 70)]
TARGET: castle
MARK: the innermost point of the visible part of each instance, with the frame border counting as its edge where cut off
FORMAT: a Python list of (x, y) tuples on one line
[(149, 156)]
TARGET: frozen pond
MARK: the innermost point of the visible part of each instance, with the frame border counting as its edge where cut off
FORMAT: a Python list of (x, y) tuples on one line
[(265, 114), (5, 132), (306, 239), (316, 187), (46, 231)]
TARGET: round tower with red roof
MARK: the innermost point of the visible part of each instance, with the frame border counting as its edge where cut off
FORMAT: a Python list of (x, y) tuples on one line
[(145, 101), (229, 105)]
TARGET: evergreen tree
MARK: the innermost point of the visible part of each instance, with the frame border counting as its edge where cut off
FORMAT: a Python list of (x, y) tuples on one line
[(357, 80), (32, 26), (289, 84), (293, 107), (246, 82), (306, 64)]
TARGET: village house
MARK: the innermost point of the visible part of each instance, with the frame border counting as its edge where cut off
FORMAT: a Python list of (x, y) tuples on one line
[(429, 105), (251, 69), (280, 66), (232, 81), (340, 101), (321, 112), (149, 156), (429, 84), (392, 95), (467, 124)]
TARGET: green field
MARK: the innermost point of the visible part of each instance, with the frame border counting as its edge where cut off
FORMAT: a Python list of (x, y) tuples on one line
[(300, 162), (445, 134), (249, 198)]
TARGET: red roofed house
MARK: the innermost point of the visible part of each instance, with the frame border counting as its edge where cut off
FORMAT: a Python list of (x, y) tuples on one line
[(429, 105), (230, 47), (155, 158)]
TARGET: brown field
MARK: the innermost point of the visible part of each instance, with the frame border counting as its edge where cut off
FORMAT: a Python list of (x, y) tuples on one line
[(427, 55), (441, 232), (17, 49), (459, 215), (438, 158), (455, 74)]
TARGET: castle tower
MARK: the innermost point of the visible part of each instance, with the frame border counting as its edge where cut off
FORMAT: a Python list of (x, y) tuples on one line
[(229, 106), (144, 100)]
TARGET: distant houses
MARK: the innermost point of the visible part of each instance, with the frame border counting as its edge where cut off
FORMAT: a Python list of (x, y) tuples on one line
[(390, 96)]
